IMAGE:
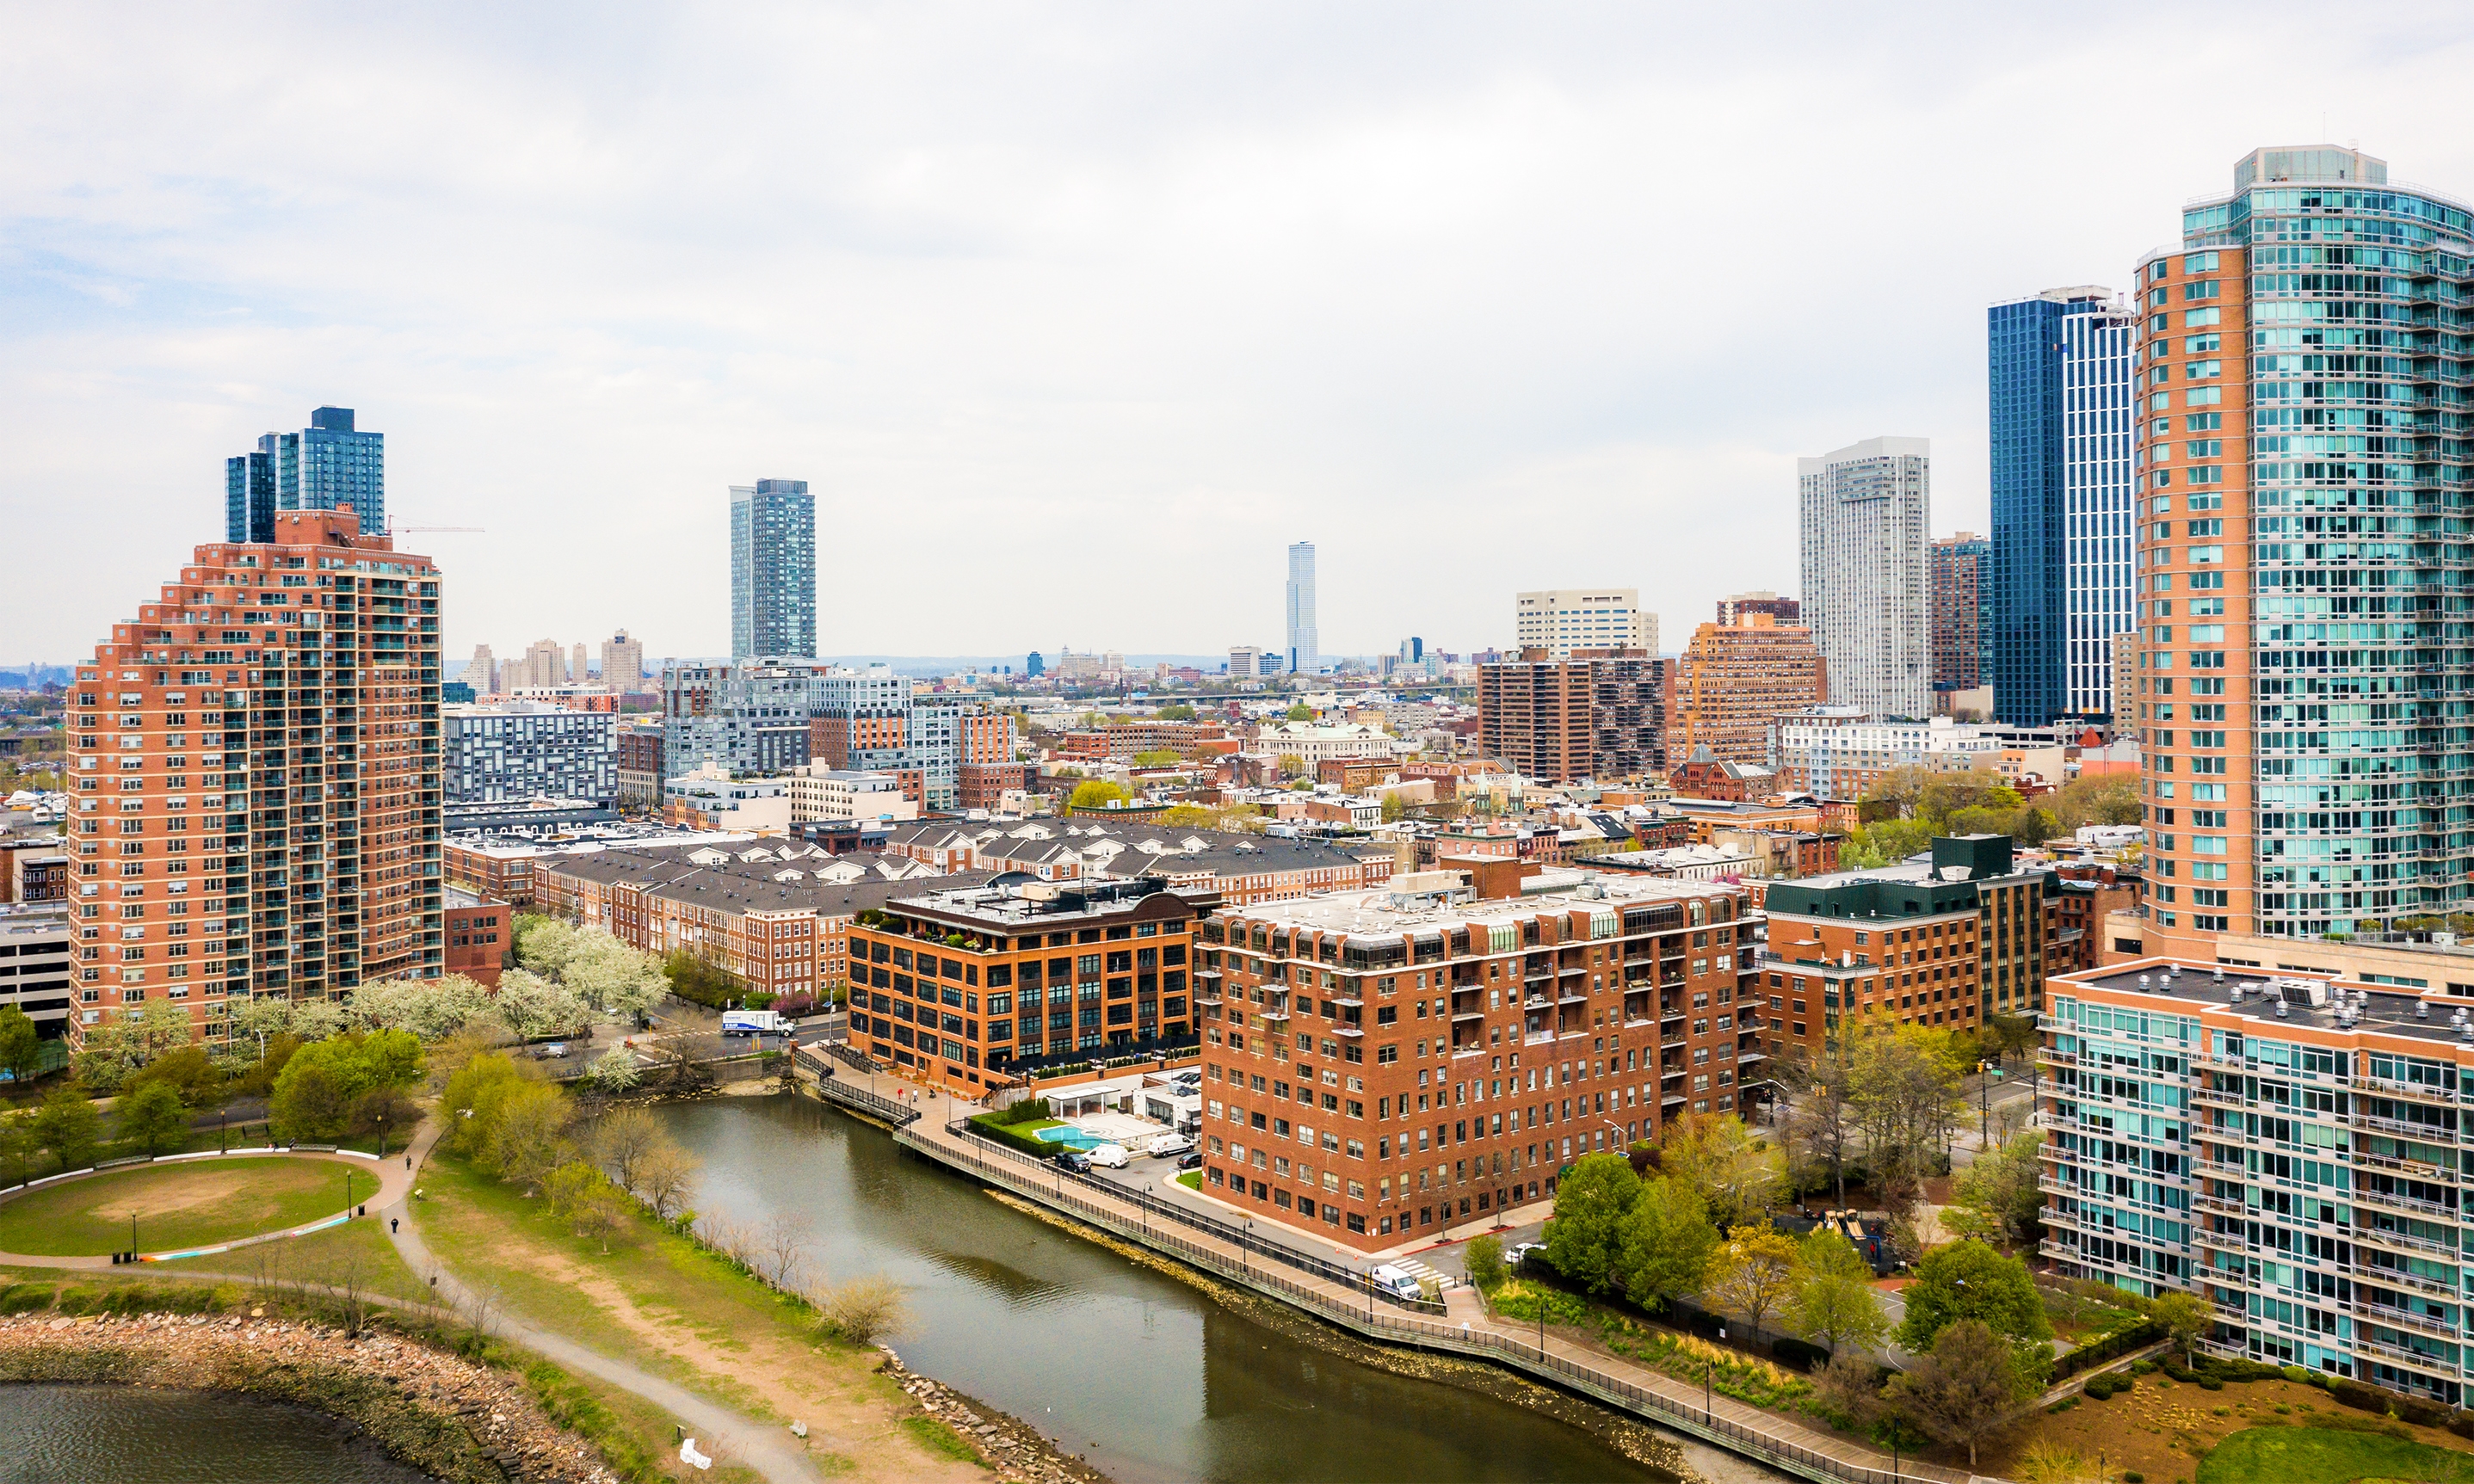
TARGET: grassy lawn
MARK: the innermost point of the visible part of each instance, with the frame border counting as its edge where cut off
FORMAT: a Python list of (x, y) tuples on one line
[(177, 1204), (659, 1301), (1192, 1180), (357, 1246), (2319, 1455)]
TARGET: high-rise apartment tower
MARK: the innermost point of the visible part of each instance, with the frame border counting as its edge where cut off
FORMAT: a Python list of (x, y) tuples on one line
[(2061, 390), (1864, 510), (1958, 593), (257, 773), (2305, 496), (1304, 657), (772, 569)]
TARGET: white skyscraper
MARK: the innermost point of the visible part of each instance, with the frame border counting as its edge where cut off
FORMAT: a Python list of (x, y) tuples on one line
[(1564, 619), (1865, 512), (1305, 655)]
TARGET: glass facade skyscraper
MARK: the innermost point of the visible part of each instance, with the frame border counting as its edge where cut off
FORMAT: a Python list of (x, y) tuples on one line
[(2306, 555), (772, 570), (1304, 657), (329, 466), (2060, 376)]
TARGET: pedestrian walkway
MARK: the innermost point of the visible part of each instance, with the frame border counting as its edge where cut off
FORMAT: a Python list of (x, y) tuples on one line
[(758, 1445), (1780, 1442)]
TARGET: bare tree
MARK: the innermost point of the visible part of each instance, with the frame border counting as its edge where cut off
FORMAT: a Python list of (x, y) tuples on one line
[(1821, 1121), (664, 1176), (482, 1308), (346, 1272), (863, 1310), (622, 1138), (782, 1244)]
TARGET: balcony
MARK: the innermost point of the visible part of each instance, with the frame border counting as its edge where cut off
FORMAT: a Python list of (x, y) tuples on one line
[(2420, 1168), (2221, 1207), (2430, 1326), (2392, 1277), (2217, 1097), (2398, 1355), (2401, 1241), (2390, 1087), (2425, 1133), (2412, 1204)]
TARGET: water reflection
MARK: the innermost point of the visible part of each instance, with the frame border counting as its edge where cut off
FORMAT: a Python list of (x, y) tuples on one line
[(1143, 1375), (136, 1435)]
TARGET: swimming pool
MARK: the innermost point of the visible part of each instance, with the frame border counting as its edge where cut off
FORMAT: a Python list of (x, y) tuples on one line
[(1070, 1136)]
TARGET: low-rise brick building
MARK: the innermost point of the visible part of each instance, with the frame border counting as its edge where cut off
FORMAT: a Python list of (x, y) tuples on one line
[(1382, 1064)]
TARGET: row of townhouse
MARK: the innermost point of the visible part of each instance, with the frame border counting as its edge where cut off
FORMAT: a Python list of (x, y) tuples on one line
[(775, 916), (1241, 869)]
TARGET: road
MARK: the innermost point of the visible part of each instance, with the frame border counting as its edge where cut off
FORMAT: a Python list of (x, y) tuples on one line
[(717, 1428)]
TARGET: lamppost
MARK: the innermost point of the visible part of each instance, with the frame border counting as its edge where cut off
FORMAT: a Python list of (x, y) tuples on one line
[(382, 1122), (133, 1235), (1705, 1393)]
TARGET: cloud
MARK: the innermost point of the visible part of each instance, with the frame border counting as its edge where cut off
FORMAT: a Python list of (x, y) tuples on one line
[(1075, 316)]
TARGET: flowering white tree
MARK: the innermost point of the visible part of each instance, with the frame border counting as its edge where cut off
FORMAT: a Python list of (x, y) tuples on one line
[(431, 1009), (533, 1006), (612, 977)]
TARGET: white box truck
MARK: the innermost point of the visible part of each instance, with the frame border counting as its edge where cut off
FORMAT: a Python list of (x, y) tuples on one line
[(753, 1022)]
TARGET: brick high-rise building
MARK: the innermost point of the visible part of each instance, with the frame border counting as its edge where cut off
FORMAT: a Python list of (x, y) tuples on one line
[(1591, 716), (2301, 678), (258, 776), (1735, 678), (1958, 590)]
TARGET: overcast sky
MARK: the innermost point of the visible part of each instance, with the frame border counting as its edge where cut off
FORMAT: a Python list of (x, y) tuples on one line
[(1075, 316)]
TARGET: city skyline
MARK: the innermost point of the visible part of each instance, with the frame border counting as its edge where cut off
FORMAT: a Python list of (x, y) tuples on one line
[(904, 339)]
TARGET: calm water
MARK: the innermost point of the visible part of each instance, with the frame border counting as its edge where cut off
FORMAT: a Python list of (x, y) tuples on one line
[(1142, 1375), (133, 1435)]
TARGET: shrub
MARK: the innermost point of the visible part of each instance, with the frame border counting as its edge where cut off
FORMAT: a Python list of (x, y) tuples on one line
[(2211, 1383), (2143, 1367), (1485, 1261), (1001, 1127), (2133, 1476)]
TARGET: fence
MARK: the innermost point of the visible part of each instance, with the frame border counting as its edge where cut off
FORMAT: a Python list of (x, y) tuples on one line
[(836, 1091), (1228, 1232), (1757, 1443)]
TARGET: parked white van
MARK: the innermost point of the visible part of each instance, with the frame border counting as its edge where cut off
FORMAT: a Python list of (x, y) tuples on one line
[(1391, 1280), (1111, 1156)]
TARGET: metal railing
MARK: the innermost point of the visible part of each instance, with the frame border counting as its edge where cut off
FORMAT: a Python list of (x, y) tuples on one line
[(835, 1089), (1758, 1442), (1212, 1225)]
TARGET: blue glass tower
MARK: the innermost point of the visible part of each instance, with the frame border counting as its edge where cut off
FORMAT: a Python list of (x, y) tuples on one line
[(2062, 422), (328, 466), (343, 468), (772, 569)]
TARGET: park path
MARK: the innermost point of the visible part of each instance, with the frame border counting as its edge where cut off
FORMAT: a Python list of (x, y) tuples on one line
[(394, 1179), (760, 1445)]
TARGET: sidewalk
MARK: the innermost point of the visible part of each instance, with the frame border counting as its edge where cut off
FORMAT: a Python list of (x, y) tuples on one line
[(1670, 1402)]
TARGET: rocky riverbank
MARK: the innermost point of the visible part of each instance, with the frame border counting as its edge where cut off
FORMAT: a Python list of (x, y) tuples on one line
[(453, 1417), (1015, 1450)]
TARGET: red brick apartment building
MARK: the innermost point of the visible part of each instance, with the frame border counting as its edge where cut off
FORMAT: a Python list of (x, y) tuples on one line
[(1379, 1063), (1124, 740), (963, 980), (479, 936), (257, 767), (1238, 868)]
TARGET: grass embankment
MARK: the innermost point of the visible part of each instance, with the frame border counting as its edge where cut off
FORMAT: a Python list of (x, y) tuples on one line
[(359, 1247), (634, 1436), (2179, 1432), (663, 1303), (177, 1204)]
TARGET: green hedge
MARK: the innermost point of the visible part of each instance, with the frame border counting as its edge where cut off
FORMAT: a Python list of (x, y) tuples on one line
[(1000, 1126), (2109, 1348)]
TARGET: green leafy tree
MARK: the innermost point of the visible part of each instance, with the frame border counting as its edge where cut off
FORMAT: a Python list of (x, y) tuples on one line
[(1753, 1274), (1835, 1303), (1970, 1280), (1996, 1198), (474, 1097), (1740, 1177), (190, 1072), (1094, 794), (2185, 1316), (1157, 757), (69, 1127), (317, 1091), (19, 1044), (1585, 1237), (529, 1137), (1484, 1259), (1964, 1388), (154, 1118), (1177, 711), (1300, 712), (1667, 1242), (2102, 799)]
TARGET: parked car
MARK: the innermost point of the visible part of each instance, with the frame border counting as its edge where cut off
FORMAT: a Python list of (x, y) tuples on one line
[(1075, 1160), (1521, 1252), (1111, 1156), (555, 1051), (1192, 1162), (1166, 1144)]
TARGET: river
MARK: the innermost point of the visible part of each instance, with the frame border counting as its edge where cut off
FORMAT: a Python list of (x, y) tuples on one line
[(1148, 1378), (75, 1434)]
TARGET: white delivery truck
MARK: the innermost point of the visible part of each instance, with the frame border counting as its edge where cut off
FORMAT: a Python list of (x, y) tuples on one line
[(753, 1022)]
